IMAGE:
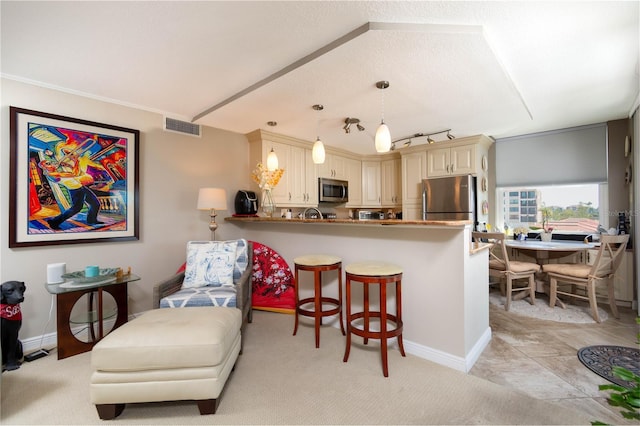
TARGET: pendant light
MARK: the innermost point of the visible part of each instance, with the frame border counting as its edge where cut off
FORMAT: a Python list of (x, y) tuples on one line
[(317, 153), (272, 161), (383, 136)]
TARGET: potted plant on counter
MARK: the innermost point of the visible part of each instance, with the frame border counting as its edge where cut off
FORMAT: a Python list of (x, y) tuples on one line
[(547, 230)]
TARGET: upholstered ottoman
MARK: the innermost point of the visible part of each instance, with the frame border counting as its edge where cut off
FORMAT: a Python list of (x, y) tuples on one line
[(166, 355)]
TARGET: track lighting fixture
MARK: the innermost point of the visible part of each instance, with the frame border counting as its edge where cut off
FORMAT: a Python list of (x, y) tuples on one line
[(408, 139), (317, 152), (349, 121), (383, 135)]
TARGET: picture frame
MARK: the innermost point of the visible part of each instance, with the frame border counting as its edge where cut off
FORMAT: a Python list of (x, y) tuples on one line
[(72, 181)]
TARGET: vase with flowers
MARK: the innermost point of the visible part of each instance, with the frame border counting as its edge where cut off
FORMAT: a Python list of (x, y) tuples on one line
[(547, 230), (267, 180)]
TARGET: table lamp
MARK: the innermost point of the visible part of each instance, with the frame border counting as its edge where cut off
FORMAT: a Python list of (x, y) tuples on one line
[(212, 198)]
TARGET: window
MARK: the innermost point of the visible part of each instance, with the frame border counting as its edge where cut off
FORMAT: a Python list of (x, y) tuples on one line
[(574, 209)]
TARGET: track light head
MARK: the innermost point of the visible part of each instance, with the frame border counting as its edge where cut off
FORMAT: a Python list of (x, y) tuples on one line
[(450, 136), (360, 127)]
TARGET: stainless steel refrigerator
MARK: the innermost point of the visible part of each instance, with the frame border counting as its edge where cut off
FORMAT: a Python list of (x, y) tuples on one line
[(449, 198)]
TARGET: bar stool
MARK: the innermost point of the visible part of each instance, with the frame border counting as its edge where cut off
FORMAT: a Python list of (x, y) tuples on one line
[(318, 263), (381, 273)]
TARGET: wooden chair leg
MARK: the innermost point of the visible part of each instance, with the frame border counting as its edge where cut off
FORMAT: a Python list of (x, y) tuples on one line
[(593, 303), (507, 302), (532, 289), (553, 288), (612, 298)]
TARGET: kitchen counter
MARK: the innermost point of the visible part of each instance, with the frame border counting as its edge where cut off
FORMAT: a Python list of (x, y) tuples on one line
[(392, 222), (445, 296)]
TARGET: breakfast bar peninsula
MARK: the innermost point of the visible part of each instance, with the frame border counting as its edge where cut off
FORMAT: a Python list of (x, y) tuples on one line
[(445, 296)]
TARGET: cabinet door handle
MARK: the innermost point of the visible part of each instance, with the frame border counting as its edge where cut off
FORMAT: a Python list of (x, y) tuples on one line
[(453, 168), (289, 196)]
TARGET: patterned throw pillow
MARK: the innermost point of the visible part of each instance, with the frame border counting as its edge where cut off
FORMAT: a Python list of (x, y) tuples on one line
[(210, 263), (242, 260)]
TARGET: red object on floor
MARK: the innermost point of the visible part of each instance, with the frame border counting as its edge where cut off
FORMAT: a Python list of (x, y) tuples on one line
[(272, 281)]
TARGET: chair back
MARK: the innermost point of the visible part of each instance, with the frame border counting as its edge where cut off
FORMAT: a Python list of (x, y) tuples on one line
[(498, 251), (609, 256)]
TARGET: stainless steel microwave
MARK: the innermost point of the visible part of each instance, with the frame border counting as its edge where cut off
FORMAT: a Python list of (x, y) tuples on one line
[(333, 190)]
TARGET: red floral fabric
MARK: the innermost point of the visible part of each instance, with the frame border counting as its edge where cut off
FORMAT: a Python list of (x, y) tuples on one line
[(271, 280)]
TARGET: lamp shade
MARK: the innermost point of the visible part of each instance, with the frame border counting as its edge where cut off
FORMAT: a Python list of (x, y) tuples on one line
[(272, 161), (317, 153), (383, 138), (212, 198)]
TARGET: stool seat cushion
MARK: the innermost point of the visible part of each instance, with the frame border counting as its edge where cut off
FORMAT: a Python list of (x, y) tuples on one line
[(317, 260), (169, 339), (373, 268)]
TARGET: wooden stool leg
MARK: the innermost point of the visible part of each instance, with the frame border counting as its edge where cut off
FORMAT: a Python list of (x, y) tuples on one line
[(340, 299), (295, 290), (399, 314), (383, 327), (348, 317), (317, 284), (365, 303)]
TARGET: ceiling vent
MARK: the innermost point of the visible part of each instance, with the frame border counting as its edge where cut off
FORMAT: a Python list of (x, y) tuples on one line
[(179, 126)]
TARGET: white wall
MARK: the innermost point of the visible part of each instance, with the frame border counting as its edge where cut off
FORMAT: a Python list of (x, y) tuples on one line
[(172, 168)]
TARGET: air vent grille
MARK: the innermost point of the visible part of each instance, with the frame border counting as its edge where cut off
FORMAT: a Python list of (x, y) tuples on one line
[(179, 126)]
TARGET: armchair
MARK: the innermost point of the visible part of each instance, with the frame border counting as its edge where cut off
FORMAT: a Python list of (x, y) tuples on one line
[(172, 293)]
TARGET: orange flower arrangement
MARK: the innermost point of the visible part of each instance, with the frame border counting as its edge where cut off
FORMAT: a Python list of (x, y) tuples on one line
[(266, 179)]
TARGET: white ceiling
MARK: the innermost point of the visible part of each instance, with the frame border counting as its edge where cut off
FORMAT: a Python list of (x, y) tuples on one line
[(496, 68)]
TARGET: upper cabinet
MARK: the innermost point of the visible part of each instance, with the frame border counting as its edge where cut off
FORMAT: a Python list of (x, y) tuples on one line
[(390, 183), (457, 160), (354, 176), (381, 183), (414, 169), (334, 166), (371, 184), (298, 186)]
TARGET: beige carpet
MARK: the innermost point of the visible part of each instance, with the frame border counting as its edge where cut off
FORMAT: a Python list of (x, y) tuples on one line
[(284, 379)]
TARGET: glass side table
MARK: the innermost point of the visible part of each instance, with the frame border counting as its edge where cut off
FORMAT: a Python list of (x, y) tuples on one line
[(69, 292)]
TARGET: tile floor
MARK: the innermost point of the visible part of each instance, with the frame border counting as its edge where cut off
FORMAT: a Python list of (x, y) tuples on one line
[(539, 358)]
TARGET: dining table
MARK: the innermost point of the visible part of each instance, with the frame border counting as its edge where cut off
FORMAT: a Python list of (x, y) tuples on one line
[(543, 251)]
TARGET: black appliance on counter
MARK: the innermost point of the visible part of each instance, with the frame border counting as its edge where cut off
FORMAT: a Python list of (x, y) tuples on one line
[(246, 203)]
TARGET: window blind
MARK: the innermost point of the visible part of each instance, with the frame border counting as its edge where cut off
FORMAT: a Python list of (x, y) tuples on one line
[(569, 156)]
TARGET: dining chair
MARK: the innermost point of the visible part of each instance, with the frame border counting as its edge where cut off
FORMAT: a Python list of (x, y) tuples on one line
[(583, 279), (508, 271)]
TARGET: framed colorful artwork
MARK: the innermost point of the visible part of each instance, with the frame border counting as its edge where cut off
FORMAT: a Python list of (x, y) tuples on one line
[(72, 181)]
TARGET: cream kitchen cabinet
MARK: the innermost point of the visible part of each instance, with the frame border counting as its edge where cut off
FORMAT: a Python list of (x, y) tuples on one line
[(335, 167), (298, 185), (414, 169), (354, 177), (390, 183), (371, 196), (457, 160)]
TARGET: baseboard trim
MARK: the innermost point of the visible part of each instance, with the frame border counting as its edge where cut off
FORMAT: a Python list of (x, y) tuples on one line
[(50, 340), (463, 364)]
